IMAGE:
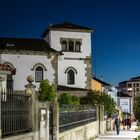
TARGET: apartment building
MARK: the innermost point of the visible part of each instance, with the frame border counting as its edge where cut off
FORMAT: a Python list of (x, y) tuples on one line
[(130, 87)]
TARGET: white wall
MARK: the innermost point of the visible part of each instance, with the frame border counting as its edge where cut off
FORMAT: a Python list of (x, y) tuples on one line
[(80, 77), (24, 64), (125, 104), (85, 47)]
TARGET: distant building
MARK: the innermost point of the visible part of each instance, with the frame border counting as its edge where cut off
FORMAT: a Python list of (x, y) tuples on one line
[(130, 87), (125, 102), (107, 88), (99, 85)]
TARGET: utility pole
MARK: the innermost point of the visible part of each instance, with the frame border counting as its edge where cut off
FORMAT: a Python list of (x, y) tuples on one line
[(94, 53)]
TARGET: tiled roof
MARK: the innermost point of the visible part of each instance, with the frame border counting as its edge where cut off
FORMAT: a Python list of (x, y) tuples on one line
[(135, 79), (65, 25), (123, 82), (25, 44), (102, 82)]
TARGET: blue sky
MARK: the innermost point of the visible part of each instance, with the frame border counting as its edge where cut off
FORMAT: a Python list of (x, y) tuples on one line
[(117, 24)]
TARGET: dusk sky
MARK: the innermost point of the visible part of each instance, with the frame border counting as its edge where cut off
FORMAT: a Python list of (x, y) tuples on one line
[(117, 24)]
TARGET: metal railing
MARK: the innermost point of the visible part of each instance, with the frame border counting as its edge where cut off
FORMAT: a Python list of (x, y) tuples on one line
[(15, 113), (71, 116)]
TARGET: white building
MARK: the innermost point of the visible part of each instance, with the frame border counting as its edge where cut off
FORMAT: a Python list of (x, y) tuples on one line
[(112, 91), (63, 57), (125, 102)]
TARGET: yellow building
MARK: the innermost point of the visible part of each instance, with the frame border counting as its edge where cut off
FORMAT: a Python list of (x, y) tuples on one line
[(98, 85)]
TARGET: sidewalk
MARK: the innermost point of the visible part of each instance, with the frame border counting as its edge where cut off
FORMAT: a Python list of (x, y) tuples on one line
[(124, 134)]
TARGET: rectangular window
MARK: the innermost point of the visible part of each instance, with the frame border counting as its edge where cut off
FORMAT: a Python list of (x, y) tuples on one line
[(129, 85)]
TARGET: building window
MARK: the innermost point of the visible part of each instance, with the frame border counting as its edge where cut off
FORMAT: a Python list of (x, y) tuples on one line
[(71, 46), (64, 46), (70, 77), (134, 84), (137, 89), (77, 46), (137, 84), (129, 85), (38, 74)]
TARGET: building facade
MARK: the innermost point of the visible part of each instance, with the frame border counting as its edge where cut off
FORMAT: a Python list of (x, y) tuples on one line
[(107, 88), (130, 87), (74, 42), (63, 57), (125, 102)]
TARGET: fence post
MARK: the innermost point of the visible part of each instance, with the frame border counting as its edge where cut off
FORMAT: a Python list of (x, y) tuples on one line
[(30, 90), (101, 119), (97, 118), (55, 121)]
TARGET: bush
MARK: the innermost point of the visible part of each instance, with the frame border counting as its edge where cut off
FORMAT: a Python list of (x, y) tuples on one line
[(66, 98), (47, 91)]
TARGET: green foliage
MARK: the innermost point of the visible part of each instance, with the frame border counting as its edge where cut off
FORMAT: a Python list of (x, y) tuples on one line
[(47, 91), (99, 98), (75, 100), (137, 107), (66, 98)]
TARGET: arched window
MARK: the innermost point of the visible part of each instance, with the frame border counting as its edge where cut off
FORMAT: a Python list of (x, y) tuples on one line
[(71, 46), (70, 77), (64, 46), (38, 74), (77, 46)]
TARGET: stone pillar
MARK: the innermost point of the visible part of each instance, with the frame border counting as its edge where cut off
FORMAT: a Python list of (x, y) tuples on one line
[(97, 118), (102, 129), (55, 121), (30, 90), (42, 120)]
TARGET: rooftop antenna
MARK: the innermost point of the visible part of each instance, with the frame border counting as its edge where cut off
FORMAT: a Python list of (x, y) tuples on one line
[(94, 52)]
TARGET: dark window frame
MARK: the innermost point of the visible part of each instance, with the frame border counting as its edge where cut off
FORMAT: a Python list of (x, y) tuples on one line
[(64, 45), (70, 77), (71, 46), (77, 46), (39, 71)]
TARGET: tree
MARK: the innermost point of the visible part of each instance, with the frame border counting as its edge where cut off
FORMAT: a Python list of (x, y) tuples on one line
[(66, 98), (137, 107), (47, 91), (99, 98)]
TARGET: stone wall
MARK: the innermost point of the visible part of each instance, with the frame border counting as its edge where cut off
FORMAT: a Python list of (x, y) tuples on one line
[(27, 136), (85, 132)]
